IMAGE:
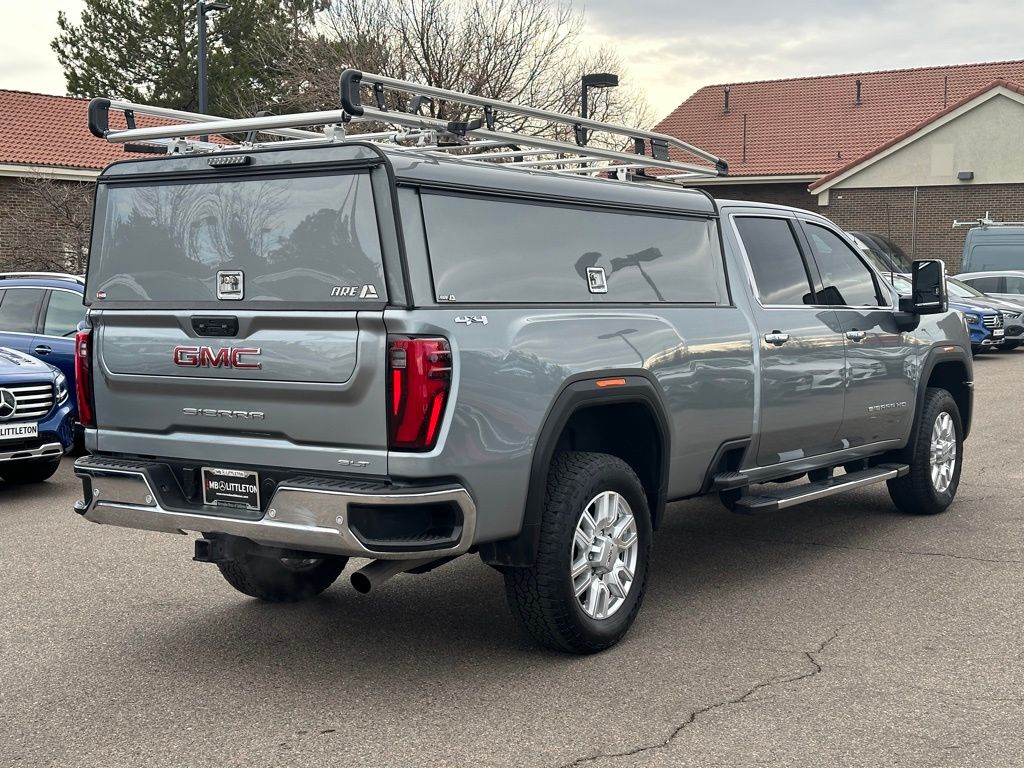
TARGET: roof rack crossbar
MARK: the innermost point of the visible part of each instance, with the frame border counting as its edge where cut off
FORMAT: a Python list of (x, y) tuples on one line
[(172, 114), (612, 169), (986, 221), (540, 142), (549, 161), (509, 155)]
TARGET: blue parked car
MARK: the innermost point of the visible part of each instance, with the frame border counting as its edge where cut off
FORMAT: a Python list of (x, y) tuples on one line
[(37, 423), (39, 314), (984, 323)]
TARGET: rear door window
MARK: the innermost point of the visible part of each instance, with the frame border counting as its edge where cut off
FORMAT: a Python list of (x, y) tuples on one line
[(19, 309), (296, 240), (1014, 285), (986, 284), (63, 313), (486, 250), (780, 274)]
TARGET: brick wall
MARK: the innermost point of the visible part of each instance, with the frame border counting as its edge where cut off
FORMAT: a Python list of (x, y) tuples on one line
[(795, 195), (44, 224), (929, 234), (891, 211)]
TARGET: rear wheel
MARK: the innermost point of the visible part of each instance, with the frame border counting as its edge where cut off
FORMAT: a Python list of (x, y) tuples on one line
[(935, 456), (585, 588), (282, 579), (26, 472)]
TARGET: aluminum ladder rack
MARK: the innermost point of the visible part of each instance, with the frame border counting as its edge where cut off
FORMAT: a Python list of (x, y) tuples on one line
[(476, 140)]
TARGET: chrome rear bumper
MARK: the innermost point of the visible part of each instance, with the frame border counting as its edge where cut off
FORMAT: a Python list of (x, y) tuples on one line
[(299, 516)]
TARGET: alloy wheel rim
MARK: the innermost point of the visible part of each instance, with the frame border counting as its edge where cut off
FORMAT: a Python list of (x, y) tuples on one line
[(604, 554), (943, 452)]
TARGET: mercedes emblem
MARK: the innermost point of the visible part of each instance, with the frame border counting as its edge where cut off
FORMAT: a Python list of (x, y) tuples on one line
[(8, 405)]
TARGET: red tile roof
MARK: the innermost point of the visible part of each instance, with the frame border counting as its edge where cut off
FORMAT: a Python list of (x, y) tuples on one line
[(812, 125), (999, 83), (53, 131)]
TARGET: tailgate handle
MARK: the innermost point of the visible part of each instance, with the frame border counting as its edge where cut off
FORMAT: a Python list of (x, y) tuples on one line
[(215, 326)]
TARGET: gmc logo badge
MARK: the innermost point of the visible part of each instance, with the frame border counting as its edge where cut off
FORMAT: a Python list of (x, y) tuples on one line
[(208, 357)]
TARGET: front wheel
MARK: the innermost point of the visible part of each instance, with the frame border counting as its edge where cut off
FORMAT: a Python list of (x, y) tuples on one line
[(26, 472), (586, 585), (935, 456), (281, 579)]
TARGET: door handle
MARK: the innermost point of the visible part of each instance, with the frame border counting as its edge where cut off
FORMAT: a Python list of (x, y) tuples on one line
[(856, 335), (42, 349), (778, 338)]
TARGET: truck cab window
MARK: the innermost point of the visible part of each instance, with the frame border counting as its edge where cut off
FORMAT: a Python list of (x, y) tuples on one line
[(775, 260), (845, 279)]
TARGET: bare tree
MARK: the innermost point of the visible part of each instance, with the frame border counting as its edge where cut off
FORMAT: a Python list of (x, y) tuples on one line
[(63, 246), (523, 51)]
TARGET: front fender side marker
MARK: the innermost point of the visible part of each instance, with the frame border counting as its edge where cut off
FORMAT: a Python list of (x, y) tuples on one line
[(611, 382)]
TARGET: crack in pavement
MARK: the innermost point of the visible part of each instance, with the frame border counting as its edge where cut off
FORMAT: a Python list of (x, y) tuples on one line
[(692, 717)]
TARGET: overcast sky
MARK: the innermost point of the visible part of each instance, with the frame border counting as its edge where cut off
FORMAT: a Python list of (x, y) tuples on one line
[(672, 47)]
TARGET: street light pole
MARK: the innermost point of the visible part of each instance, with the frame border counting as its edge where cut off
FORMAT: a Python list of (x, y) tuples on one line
[(202, 8), (595, 80), (201, 18)]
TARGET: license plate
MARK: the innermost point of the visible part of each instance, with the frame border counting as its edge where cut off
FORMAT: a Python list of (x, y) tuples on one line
[(18, 431), (231, 487), (998, 333)]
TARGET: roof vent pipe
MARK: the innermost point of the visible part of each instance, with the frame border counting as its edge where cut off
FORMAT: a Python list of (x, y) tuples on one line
[(858, 92), (726, 110)]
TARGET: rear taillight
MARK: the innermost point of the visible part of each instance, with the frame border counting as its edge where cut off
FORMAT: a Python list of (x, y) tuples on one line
[(419, 378), (83, 377)]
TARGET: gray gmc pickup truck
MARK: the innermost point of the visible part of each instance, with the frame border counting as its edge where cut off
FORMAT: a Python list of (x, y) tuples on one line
[(311, 353)]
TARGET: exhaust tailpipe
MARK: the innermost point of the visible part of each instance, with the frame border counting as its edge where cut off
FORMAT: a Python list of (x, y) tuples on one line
[(372, 575)]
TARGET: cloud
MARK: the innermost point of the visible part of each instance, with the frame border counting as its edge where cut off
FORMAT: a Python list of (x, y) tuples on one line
[(674, 47), (26, 61)]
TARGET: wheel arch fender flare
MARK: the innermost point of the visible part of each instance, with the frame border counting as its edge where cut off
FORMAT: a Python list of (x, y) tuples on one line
[(579, 393), (943, 355)]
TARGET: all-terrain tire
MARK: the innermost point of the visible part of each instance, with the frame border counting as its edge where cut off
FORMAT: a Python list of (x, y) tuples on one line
[(281, 581), (27, 472), (916, 492), (542, 596)]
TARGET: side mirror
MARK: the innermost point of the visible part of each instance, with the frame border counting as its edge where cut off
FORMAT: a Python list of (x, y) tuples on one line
[(929, 297)]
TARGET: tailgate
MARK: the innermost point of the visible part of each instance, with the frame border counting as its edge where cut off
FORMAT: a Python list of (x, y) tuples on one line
[(302, 390)]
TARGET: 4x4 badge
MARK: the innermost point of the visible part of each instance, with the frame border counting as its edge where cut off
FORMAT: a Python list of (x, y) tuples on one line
[(470, 319)]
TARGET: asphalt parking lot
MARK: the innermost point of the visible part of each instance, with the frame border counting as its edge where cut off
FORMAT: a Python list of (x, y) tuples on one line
[(840, 633)]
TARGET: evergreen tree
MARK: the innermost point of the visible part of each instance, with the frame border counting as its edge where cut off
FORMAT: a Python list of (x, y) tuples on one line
[(146, 51)]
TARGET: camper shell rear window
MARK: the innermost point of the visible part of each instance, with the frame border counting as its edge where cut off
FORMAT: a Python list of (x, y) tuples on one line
[(295, 240)]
